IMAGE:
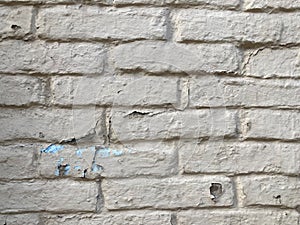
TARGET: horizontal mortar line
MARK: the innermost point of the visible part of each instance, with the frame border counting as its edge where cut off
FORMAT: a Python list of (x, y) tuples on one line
[(150, 210), (172, 209), (130, 72), (168, 108), (265, 206), (269, 10), (270, 139), (297, 78), (115, 41), (87, 144), (52, 3), (58, 178), (243, 107), (240, 174), (272, 10), (35, 73), (44, 211)]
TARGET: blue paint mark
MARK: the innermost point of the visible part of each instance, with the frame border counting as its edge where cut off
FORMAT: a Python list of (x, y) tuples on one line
[(104, 152), (79, 152), (52, 149), (93, 148), (117, 152), (67, 170), (96, 168), (77, 168)]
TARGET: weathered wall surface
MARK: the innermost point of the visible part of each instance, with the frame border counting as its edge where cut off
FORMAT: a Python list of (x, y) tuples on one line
[(150, 112)]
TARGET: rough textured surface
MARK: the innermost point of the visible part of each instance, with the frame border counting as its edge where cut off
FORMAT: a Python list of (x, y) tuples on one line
[(159, 57), (208, 25), (118, 90), (48, 195), (43, 57), (19, 161), (269, 62), (146, 112), (116, 161), (166, 193), (279, 124), (150, 124), (118, 218), (212, 91), (270, 190), (239, 157), (273, 4), (51, 125), (30, 90), (15, 21), (249, 217), (102, 23)]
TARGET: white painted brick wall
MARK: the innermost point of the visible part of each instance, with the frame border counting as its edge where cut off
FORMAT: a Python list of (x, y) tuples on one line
[(146, 112)]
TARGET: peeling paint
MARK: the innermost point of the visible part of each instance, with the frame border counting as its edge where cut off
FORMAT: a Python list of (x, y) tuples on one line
[(106, 152), (96, 168), (52, 149), (117, 152), (77, 168), (79, 152)]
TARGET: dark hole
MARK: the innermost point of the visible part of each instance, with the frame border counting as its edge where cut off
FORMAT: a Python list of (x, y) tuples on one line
[(15, 27), (215, 190)]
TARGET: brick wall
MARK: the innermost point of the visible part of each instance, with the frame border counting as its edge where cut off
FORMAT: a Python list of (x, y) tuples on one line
[(150, 112)]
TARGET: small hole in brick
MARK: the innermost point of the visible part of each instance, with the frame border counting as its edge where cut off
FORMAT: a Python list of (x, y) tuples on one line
[(215, 191), (15, 27), (278, 197)]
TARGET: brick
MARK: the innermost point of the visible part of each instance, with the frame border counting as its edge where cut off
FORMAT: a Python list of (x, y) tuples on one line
[(239, 157), (44, 57), (270, 124), (114, 161), (52, 124), (234, 217), (22, 90), (205, 25), (208, 25), (20, 219), (119, 90), (168, 193), (275, 4), (59, 195), (154, 124), (222, 3), (270, 191), (15, 21), (18, 161), (160, 57), (269, 62), (139, 2), (119, 218), (208, 91), (65, 22)]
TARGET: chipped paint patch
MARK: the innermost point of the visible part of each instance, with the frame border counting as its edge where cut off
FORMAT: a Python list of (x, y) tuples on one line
[(77, 168), (52, 149), (107, 152), (117, 152), (79, 152), (96, 168)]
